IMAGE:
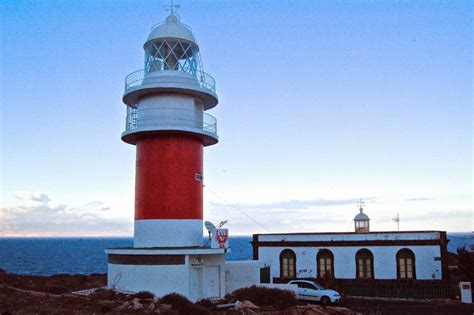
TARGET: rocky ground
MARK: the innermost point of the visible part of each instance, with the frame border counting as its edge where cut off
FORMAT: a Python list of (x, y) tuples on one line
[(52, 295)]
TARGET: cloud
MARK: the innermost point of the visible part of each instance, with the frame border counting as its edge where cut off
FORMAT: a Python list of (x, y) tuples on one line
[(296, 204), (449, 214), (420, 199), (286, 216), (31, 196), (36, 215)]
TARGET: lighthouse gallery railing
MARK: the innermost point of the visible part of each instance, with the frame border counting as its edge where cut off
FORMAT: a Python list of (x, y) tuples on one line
[(189, 118), (137, 78)]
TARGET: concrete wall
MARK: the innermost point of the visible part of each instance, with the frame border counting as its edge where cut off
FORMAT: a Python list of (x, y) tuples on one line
[(172, 109), (160, 280), (385, 266), (201, 276), (203, 283), (241, 274)]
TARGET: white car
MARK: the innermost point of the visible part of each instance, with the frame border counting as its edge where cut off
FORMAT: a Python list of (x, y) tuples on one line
[(311, 291)]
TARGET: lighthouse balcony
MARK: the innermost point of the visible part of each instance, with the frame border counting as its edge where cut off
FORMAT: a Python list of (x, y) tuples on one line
[(169, 120), (177, 79)]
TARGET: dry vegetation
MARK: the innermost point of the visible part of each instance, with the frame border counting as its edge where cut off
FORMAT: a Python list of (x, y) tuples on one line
[(52, 295)]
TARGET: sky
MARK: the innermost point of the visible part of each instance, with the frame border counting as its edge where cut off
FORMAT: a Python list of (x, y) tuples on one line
[(320, 103)]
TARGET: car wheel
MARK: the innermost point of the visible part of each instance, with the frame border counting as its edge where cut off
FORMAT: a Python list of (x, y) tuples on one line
[(325, 300)]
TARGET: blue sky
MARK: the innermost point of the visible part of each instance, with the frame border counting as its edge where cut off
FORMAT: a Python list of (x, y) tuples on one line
[(321, 103)]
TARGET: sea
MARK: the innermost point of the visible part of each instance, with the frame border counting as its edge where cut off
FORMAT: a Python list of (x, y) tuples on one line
[(85, 255)]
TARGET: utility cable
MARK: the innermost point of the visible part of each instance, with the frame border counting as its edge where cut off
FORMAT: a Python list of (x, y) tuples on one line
[(237, 208), (348, 228)]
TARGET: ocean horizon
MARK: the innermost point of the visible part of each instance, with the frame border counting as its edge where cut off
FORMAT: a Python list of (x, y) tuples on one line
[(86, 255)]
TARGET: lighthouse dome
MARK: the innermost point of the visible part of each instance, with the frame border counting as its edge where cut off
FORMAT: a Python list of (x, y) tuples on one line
[(172, 63), (172, 28), (361, 217)]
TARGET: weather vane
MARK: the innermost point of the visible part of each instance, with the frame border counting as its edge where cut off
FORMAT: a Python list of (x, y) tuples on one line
[(361, 204), (172, 7)]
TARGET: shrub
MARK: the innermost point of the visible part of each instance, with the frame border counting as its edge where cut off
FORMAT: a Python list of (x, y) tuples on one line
[(193, 309), (105, 294), (262, 296), (143, 295), (206, 303), (176, 300), (106, 309)]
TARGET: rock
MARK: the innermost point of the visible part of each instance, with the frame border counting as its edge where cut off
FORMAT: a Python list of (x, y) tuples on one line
[(151, 306), (306, 310), (137, 306), (340, 310), (248, 305), (124, 306), (165, 306)]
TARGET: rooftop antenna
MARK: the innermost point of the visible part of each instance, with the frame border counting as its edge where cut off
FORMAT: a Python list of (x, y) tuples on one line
[(222, 223), (397, 220), (172, 7)]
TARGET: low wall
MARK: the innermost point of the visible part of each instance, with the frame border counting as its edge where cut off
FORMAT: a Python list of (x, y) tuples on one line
[(241, 274), (412, 289)]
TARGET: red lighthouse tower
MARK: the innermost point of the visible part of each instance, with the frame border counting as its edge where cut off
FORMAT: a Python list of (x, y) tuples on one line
[(166, 121)]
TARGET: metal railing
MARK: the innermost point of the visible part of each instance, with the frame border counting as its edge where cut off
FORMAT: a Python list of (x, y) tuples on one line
[(168, 117), (144, 77)]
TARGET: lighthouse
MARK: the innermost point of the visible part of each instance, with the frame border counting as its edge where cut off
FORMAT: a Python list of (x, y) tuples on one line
[(168, 123)]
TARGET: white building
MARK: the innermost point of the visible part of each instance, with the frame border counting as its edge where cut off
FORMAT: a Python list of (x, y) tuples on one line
[(364, 258), (371, 255)]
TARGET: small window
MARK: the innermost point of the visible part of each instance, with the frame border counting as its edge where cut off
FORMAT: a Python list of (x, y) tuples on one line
[(406, 264), (198, 177), (287, 264), (364, 264), (325, 263)]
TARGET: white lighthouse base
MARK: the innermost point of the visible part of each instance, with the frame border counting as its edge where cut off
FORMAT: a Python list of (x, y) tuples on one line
[(195, 272)]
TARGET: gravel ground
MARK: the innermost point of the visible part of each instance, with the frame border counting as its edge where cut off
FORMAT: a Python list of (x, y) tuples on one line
[(16, 302), (406, 307)]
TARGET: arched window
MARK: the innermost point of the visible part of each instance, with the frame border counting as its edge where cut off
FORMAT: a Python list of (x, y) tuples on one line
[(287, 264), (406, 264), (364, 264), (325, 262)]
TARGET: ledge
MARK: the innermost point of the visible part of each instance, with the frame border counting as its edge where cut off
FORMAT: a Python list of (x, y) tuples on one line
[(167, 251)]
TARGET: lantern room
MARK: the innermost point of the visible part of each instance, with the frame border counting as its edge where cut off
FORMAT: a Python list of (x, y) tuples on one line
[(171, 46), (361, 222)]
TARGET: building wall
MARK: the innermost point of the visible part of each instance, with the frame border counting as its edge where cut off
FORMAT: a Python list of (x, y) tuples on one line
[(372, 236), (385, 265), (200, 286), (158, 279), (200, 276), (241, 274)]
